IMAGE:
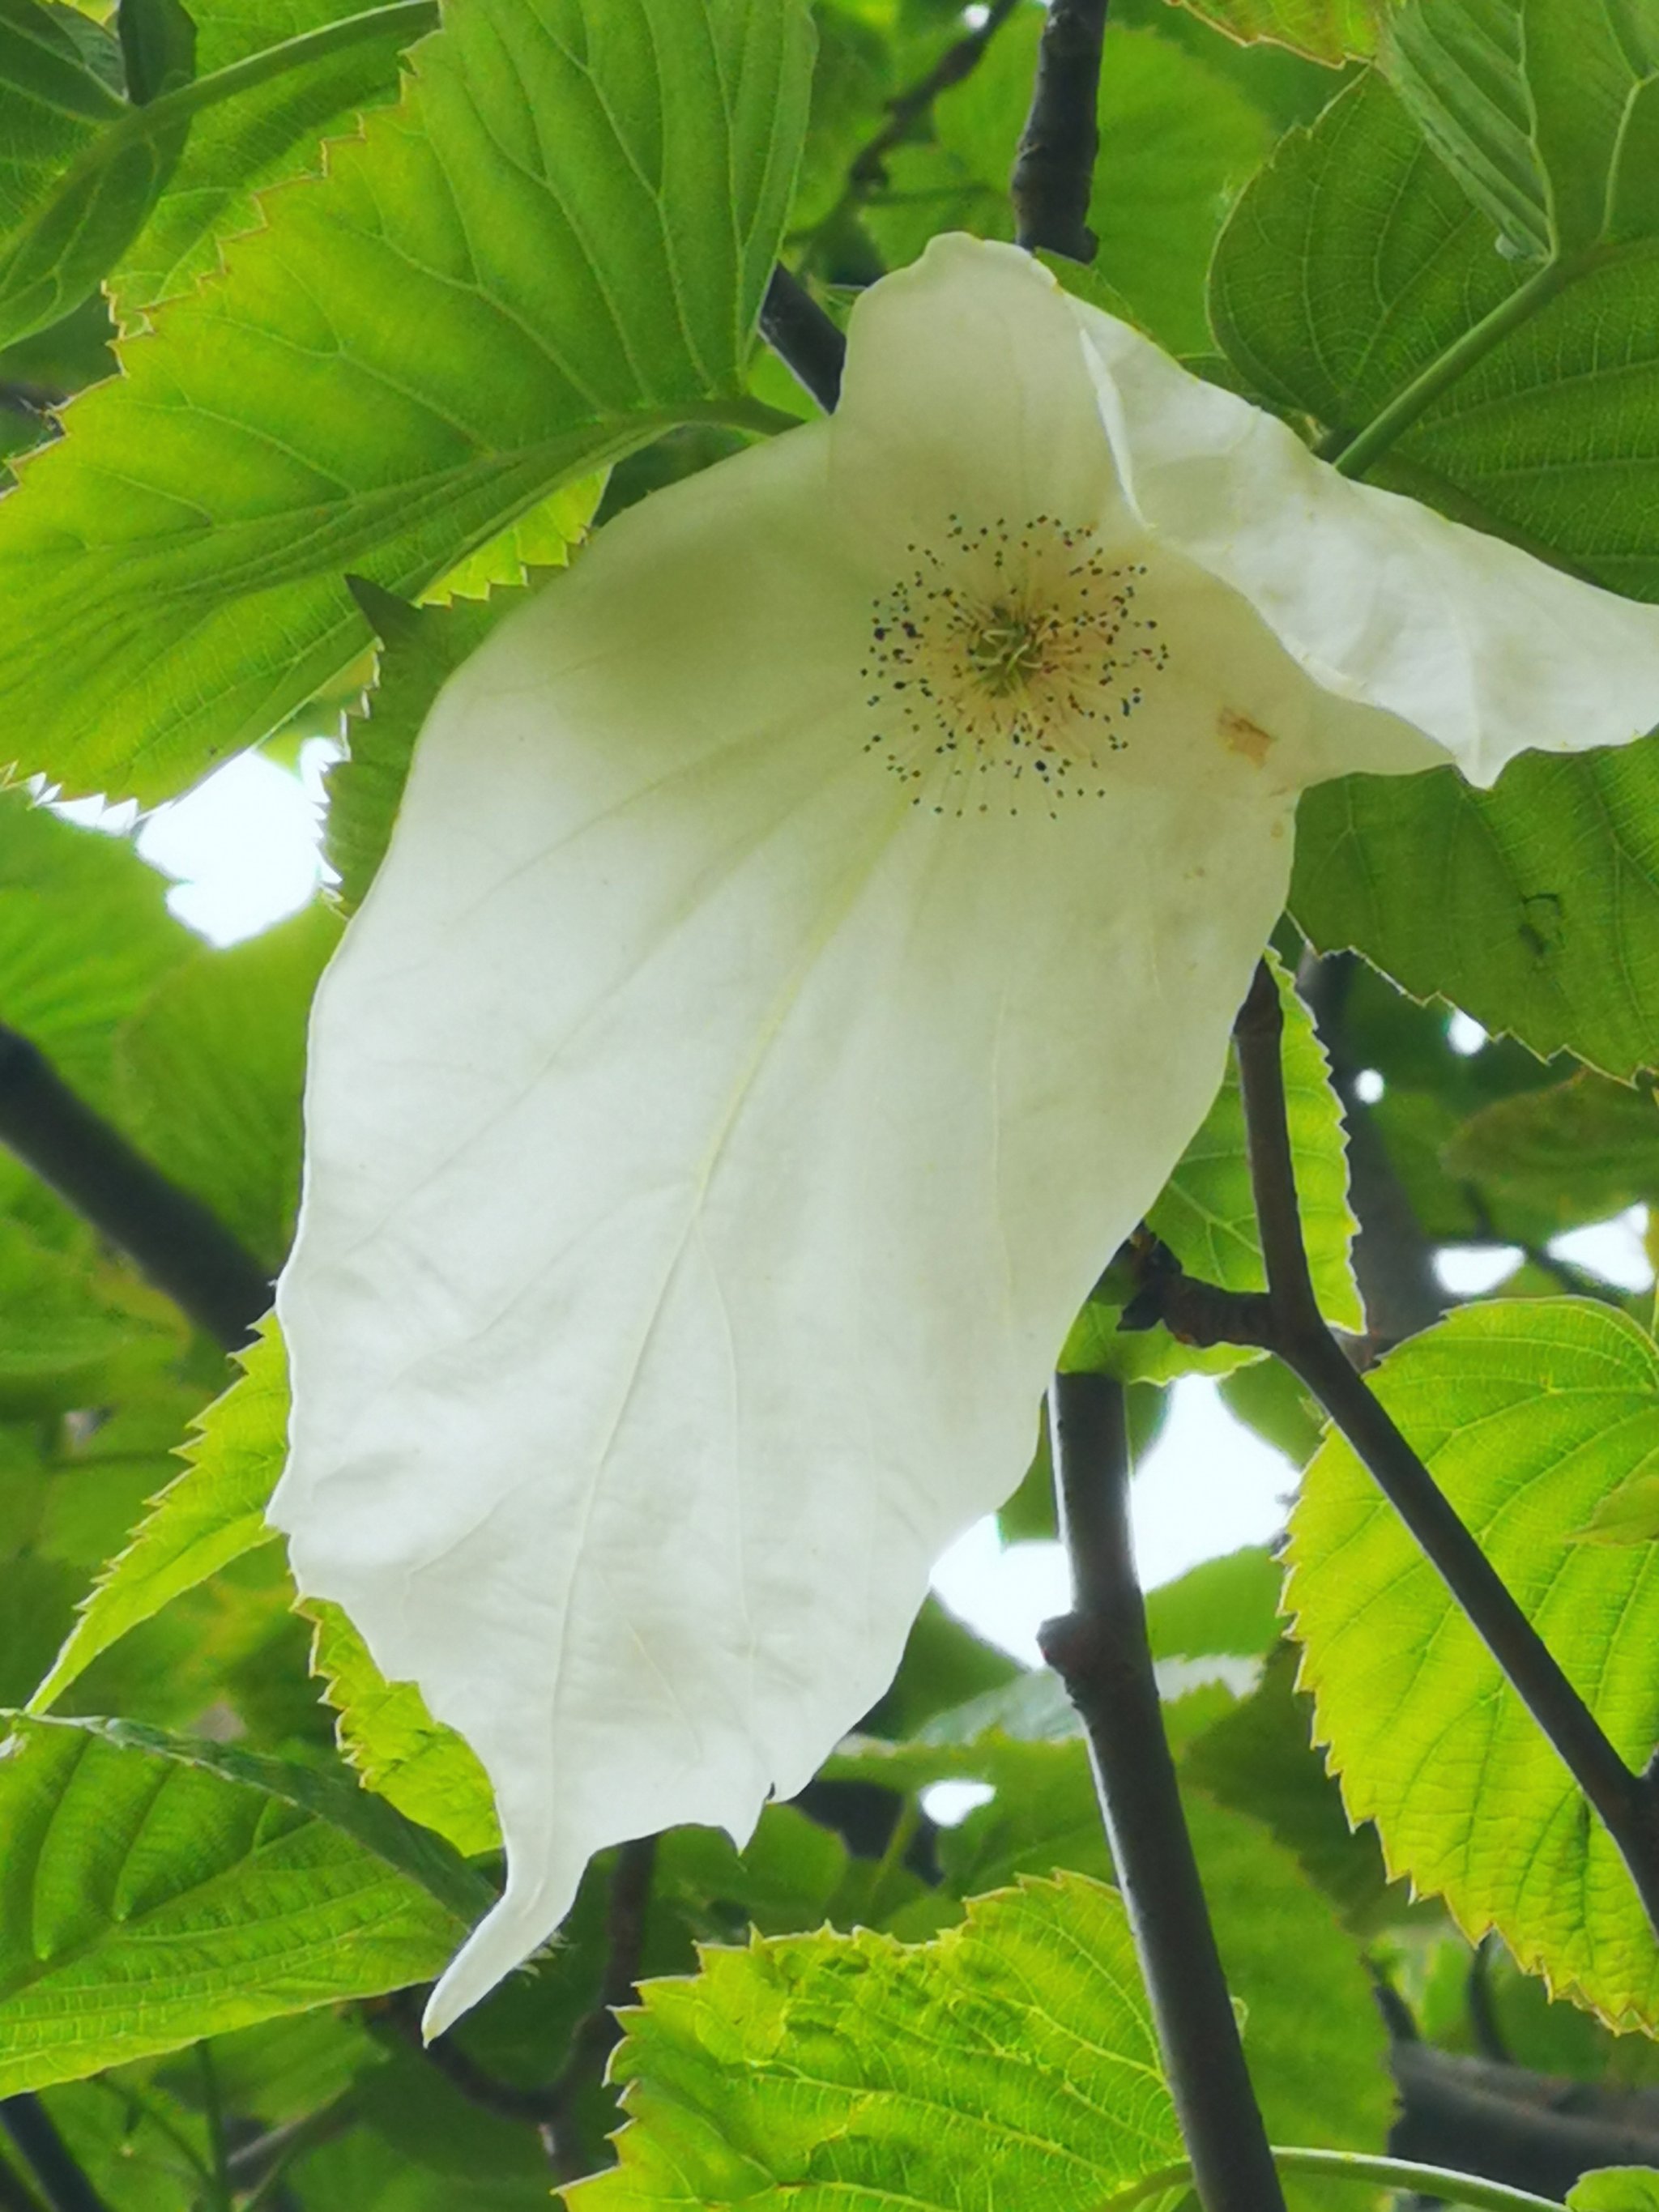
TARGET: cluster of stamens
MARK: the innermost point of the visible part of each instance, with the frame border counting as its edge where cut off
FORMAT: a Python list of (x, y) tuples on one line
[(1008, 657)]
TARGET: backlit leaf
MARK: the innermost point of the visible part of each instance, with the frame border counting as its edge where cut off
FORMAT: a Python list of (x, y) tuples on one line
[(1207, 1216), (1529, 1415), (1616, 2189), (155, 1890), (210, 1072), (421, 1766), (552, 248), (1010, 2061), (265, 136), (210, 1514), (1571, 1151), (1331, 31)]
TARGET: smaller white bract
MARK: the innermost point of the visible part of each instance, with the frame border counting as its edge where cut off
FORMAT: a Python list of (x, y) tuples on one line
[(810, 939)]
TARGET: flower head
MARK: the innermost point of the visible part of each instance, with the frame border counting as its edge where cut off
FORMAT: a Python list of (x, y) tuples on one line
[(810, 939)]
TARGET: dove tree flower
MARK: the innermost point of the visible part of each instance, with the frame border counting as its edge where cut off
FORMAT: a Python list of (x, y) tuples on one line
[(810, 939)]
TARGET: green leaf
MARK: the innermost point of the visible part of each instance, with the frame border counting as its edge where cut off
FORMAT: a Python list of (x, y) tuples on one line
[(72, 1331), (1010, 2061), (1362, 180), (1332, 31), (1207, 1216), (85, 936), (1351, 268), (1533, 906), (1592, 72), (215, 1513), (54, 104), (1573, 1151), (1228, 1607), (1353, 272), (544, 538), (1528, 1414), (54, 261), (1316, 2048), (1182, 139), (1616, 2189), (945, 1664), (158, 47), (156, 1891), (210, 1515), (554, 247), (424, 1768), (1544, 108), (1458, 65), (1314, 2041), (1627, 1515), (267, 134), (1259, 1759), (70, 240), (210, 1071)]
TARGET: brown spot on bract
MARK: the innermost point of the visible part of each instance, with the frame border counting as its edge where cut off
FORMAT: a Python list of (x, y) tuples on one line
[(1241, 735)]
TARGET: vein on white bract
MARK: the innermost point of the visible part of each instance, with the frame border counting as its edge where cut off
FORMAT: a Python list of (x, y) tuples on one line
[(810, 939)]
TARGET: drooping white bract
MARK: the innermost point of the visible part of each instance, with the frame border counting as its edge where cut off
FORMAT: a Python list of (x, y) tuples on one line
[(810, 939)]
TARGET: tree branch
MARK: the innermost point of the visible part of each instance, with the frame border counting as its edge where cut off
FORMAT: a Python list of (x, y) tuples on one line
[(173, 1239), (1514, 2125), (1286, 1321), (1054, 169), (1100, 1650), (63, 2184), (804, 337)]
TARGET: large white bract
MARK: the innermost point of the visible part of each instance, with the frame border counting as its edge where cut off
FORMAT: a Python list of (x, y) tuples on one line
[(810, 939)]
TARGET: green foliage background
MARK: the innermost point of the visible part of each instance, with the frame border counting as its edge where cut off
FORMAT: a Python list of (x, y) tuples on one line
[(323, 339)]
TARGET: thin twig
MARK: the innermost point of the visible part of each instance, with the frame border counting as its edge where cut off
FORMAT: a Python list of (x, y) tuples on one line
[(1054, 169), (213, 2115), (504, 2100), (805, 339), (1442, 2185), (257, 2167), (1286, 1321), (1101, 1652), (173, 1239), (15, 2195), (597, 2034), (1484, 2023), (63, 2186), (550, 2109), (867, 171)]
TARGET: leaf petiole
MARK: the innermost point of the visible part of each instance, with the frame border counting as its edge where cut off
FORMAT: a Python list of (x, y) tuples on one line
[(1352, 456), (1396, 2173), (404, 19)]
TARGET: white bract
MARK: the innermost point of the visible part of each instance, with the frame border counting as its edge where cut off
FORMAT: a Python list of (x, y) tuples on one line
[(810, 939)]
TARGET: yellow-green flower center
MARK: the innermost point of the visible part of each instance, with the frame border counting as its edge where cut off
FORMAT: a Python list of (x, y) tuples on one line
[(1008, 657), (1009, 650)]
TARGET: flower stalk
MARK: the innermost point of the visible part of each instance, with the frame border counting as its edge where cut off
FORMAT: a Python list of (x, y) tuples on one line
[(1100, 1650)]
